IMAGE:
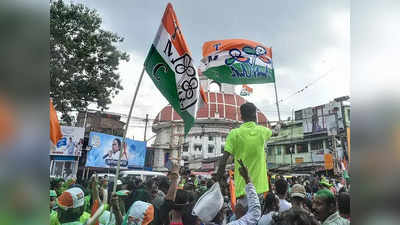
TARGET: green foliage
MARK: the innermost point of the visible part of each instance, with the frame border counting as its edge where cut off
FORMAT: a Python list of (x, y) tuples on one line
[(83, 59)]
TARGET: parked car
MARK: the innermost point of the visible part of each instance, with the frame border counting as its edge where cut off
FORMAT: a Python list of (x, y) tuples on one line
[(142, 174)]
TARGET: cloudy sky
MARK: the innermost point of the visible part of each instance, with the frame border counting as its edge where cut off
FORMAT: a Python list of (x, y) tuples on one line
[(310, 40)]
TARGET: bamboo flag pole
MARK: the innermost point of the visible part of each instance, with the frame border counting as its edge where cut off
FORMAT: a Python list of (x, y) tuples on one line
[(277, 103), (276, 92), (125, 132), (276, 98)]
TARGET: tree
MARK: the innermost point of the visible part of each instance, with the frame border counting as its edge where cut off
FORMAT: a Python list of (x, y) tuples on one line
[(83, 59)]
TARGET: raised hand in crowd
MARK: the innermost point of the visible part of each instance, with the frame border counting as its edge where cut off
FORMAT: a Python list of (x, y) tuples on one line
[(244, 172), (174, 176)]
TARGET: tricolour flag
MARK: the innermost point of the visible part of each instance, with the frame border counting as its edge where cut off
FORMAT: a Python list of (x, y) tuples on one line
[(237, 61), (55, 129), (169, 64), (246, 90)]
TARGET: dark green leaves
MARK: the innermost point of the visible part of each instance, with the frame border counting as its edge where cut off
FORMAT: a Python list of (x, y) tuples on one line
[(83, 59)]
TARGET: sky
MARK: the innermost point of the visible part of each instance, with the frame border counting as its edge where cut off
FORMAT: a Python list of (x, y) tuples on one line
[(309, 40)]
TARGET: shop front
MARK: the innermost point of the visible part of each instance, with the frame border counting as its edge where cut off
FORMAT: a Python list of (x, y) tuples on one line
[(63, 166)]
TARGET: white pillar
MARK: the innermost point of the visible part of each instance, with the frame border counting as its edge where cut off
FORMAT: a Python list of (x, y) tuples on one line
[(324, 144), (204, 148), (218, 144), (158, 158)]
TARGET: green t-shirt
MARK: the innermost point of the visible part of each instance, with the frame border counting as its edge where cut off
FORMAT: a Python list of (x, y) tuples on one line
[(247, 143), (84, 217), (54, 218), (73, 223)]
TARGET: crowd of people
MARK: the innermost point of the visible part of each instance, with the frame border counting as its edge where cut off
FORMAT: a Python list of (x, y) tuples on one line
[(253, 198), (176, 198)]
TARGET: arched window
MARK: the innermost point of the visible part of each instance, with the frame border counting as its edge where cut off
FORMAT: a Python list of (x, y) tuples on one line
[(215, 86)]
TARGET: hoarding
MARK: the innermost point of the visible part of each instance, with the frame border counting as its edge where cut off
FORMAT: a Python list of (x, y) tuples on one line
[(105, 150), (71, 143), (323, 118)]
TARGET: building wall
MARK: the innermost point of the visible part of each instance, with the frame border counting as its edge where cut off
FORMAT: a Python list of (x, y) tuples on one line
[(199, 136), (158, 158), (277, 153)]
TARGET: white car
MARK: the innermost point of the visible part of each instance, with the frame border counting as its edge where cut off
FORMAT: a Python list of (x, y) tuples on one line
[(142, 174)]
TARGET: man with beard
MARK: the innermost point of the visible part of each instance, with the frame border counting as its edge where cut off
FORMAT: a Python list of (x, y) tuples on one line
[(324, 206)]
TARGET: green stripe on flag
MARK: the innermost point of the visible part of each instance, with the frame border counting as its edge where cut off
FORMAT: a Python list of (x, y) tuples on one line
[(164, 79), (240, 73)]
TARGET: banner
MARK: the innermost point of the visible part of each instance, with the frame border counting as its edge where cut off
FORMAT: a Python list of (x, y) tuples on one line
[(237, 61), (328, 117), (328, 158), (71, 142), (105, 150), (169, 64)]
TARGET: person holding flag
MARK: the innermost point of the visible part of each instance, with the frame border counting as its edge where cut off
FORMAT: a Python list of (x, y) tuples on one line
[(247, 143)]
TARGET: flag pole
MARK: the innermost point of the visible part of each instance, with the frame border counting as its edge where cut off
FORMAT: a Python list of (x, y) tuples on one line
[(276, 97), (125, 132), (276, 92)]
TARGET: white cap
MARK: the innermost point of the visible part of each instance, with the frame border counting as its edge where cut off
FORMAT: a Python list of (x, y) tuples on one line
[(209, 204)]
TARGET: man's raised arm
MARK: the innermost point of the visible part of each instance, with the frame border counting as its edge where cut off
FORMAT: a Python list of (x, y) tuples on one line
[(221, 168)]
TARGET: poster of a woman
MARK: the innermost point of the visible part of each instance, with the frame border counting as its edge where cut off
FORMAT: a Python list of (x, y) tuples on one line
[(112, 156)]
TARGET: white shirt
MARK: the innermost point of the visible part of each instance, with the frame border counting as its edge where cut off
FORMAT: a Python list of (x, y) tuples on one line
[(115, 156), (284, 205), (266, 219), (254, 208), (339, 186)]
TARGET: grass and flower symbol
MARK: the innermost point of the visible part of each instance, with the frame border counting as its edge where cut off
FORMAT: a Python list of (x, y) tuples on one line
[(246, 65)]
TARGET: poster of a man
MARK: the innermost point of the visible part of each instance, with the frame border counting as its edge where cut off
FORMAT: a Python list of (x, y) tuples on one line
[(70, 146), (112, 156)]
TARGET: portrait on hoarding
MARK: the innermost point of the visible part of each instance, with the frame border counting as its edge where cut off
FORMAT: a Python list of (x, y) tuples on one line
[(112, 156)]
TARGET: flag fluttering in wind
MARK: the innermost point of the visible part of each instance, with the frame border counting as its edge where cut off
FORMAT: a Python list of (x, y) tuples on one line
[(55, 129), (237, 61), (169, 64)]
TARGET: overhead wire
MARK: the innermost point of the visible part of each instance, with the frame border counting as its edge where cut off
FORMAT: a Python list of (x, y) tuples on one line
[(307, 85)]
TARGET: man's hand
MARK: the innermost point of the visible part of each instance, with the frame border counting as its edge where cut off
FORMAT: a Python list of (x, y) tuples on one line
[(220, 176), (244, 172), (175, 167), (277, 128)]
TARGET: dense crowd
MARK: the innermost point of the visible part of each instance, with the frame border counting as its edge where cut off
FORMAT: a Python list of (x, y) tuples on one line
[(172, 199), (249, 197)]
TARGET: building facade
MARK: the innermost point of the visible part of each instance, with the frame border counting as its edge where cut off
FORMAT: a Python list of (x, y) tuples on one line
[(304, 143), (103, 122)]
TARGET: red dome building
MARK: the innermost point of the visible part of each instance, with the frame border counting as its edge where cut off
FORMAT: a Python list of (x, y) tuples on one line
[(222, 106), (206, 139)]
